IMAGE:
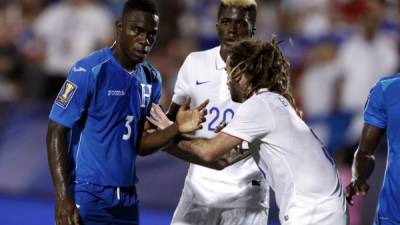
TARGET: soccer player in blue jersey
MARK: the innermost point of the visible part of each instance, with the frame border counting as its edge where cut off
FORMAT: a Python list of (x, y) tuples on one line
[(97, 125), (381, 114)]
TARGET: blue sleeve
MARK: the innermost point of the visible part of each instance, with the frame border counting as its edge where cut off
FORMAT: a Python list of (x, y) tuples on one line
[(73, 97), (374, 112)]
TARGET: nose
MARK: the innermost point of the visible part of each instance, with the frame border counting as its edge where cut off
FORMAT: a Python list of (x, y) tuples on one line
[(144, 39), (232, 27)]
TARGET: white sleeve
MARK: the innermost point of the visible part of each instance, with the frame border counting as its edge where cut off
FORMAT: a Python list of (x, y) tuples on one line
[(252, 120), (182, 85)]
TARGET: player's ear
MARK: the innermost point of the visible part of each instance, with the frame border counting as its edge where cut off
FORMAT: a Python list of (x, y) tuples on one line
[(118, 26)]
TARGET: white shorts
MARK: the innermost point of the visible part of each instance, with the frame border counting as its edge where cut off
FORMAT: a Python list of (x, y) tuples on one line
[(188, 213), (332, 212)]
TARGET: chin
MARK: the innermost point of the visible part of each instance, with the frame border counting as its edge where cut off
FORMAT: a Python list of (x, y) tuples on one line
[(237, 99), (137, 59)]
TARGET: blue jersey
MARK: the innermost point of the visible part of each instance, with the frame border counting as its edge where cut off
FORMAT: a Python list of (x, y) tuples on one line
[(383, 111), (105, 106)]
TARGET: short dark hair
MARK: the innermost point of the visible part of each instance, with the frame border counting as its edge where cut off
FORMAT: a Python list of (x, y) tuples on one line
[(140, 5), (252, 9)]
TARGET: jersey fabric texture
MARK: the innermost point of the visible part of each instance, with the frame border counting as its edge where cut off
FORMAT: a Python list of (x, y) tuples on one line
[(301, 173), (105, 106), (383, 111), (202, 76), (189, 213)]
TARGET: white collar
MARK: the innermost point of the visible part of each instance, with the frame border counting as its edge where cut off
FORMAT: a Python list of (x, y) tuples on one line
[(219, 62), (261, 90)]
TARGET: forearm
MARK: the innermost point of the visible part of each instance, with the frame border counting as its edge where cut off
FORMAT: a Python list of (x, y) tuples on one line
[(220, 164), (363, 166), (364, 160), (151, 142), (201, 148), (58, 160), (210, 150)]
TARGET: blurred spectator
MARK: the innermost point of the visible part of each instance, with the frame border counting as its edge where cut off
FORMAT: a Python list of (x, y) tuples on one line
[(314, 16), (69, 30), (10, 63), (170, 11), (369, 54), (317, 87), (19, 18), (10, 73), (168, 61), (202, 24)]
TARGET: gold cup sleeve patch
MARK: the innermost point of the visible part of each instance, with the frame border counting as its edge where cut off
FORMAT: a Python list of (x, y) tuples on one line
[(66, 93)]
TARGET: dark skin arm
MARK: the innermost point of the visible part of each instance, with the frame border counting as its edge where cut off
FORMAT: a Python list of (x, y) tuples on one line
[(364, 162), (172, 111), (66, 211), (151, 142)]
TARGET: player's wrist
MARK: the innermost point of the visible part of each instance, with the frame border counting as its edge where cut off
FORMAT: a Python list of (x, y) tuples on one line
[(175, 128)]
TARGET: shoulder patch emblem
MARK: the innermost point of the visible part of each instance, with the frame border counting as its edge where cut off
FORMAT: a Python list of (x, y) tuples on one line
[(67, 91)]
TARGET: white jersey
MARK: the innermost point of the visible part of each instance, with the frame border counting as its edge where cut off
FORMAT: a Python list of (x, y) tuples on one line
[(203, 76), (301, 173)]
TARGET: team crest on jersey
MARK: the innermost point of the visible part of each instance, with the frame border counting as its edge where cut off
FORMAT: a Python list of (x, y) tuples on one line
[(146, 95), (67, 91)]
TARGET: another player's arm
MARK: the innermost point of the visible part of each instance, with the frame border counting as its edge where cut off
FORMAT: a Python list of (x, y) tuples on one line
[(210, 150), (229, 158), (364, 161), (172, 111), (152, 141), (66, 212), (187, 121)]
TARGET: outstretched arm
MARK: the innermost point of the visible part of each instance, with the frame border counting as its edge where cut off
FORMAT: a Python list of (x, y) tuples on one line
[(364, 161), (210, 150), (227, 159), (66, 212), (159, 119), (187, 122)]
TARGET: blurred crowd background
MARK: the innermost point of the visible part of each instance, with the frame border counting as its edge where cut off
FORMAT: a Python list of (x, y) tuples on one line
[(337, 50)]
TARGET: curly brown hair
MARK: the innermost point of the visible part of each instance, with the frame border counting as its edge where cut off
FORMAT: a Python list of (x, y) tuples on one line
[(264, 66)]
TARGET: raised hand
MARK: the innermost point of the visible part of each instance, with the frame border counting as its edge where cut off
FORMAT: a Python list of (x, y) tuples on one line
[(189, 120), (158, 118), (356, 188)]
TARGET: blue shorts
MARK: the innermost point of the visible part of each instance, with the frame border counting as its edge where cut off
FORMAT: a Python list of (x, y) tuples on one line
[(101, 205)]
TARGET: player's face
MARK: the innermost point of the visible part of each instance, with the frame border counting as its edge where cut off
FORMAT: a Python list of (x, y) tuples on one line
[(233, 25), (136, 33), (237, 84)]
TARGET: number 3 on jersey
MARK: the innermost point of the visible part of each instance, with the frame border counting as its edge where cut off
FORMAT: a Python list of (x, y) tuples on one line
[(128, 122)]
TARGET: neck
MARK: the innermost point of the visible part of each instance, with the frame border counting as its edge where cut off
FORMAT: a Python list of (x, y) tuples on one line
[(224, 52), (122, 58)]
